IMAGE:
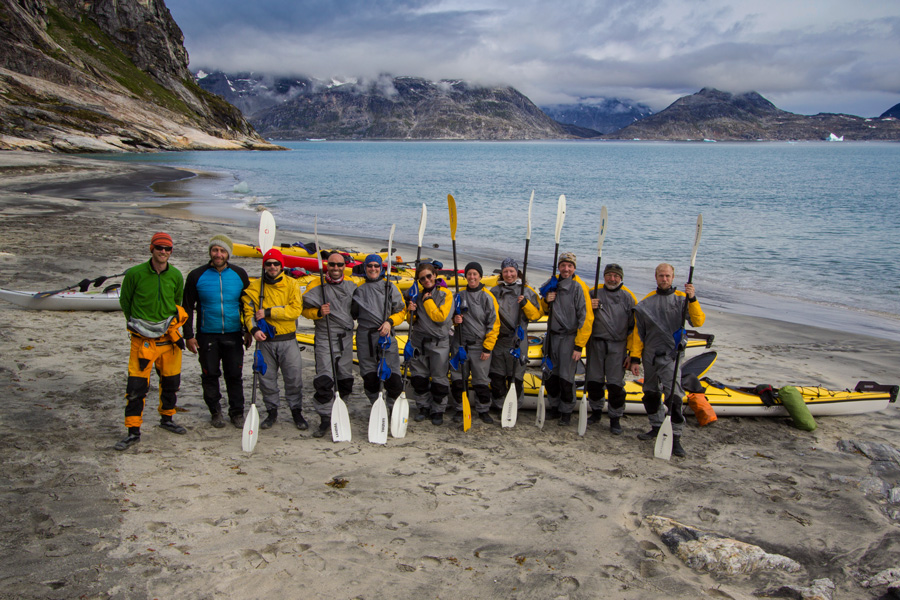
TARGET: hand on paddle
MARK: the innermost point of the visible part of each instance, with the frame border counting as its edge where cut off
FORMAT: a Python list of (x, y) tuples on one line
[(192, 345), (325, 309), (550, 297), (689, 290), (595, 303), (385, 329)]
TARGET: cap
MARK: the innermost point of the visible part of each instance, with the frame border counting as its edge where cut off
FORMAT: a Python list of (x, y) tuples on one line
[(476, 266), (274, 254), (222, 241), (567, 257)]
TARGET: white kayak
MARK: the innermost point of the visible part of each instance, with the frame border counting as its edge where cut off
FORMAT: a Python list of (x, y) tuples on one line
[(106, 300)]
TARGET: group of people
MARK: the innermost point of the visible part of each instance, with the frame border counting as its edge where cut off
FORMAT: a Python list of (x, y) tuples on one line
[(478, 337)]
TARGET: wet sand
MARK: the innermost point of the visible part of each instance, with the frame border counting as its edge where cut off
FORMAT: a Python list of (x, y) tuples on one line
[(489, 513)]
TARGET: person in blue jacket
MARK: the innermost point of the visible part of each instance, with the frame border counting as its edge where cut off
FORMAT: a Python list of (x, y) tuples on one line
[(214, 291)]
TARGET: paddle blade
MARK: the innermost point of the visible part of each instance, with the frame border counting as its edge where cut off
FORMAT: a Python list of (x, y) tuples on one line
[(582, 416), (251, 430), (551, 286), (422, 220), (340, 421), (467, 412), (560, 216), (530, 204), (451, 205), (378, 422), (400, 416), (266, 231), (602, 236), (510, 408), (663, 447), (541, 411), (458, 359), (384, 342), (547, 364), (697, 238)]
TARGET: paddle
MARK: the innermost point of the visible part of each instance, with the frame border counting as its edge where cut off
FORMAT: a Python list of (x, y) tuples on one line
[(663, 448), (460, 356), (250, 434), (408, 350), (511, 404), (541, 411), (582, 406), (378, 418), (340, 419), (551, 285), (400, 411), (82, 286)]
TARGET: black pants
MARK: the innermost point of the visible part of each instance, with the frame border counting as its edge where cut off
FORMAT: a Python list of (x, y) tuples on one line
[(227, 349)]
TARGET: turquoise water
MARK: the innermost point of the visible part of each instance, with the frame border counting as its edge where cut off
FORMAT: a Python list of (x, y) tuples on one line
[(789, 229)]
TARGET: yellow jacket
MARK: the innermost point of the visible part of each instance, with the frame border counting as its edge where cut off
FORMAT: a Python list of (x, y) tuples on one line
[(281, 301)]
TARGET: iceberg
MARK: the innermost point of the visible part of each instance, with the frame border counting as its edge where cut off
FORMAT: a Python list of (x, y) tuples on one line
[(833, 138)]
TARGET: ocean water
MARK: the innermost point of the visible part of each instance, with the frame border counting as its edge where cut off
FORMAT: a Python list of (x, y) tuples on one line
[(806, 232)]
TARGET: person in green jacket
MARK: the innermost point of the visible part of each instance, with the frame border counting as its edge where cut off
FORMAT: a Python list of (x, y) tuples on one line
[(151, 297)]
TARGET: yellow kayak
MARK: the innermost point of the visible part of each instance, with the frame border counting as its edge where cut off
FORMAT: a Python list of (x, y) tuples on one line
[(247, 251)]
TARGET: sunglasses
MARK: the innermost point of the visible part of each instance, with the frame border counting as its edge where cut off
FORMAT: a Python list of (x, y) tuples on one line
[(162, 248), (273, 263), (425, 278), (373, 266), (335, 264)]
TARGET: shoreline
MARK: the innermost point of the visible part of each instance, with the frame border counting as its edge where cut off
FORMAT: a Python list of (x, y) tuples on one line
[(520, 513)]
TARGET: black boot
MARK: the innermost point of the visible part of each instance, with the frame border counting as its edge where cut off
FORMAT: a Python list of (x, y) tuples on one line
[(596, 416), (271, 417), (218, 421), (565, 419), (614, 427), (649, 435), (486, 418), (169, 425), (677, 450), (437, 418), (323, 428), (299, 421), (423, 414), (133, 437)]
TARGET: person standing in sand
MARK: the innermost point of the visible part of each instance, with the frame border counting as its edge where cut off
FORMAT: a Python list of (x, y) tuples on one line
[(150, 297), (479, 327), (214, 290), (376, 317), (274, 325), (608, 350), (568, 330), (333, 301), (430, 306), (659, 316), (518, 305)]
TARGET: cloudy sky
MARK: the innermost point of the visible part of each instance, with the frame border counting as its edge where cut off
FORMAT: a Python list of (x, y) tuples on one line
[(806, 56)]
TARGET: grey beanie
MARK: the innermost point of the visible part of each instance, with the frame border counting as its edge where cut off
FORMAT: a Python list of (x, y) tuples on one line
[(222, 241)]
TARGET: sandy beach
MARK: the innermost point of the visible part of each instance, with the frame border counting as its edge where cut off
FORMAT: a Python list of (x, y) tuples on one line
[(490, 513)]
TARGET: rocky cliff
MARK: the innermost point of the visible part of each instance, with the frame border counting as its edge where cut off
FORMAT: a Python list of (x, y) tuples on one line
[(604, 116), (407, 108), (106, 75), (717, 115)]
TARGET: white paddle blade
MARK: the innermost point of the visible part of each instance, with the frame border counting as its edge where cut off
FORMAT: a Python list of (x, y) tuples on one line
[(510, 408), (266, 231), (697, 238), (602, 236), (391, 250), (560, 216), (251, 430), (530, 204), (422, 220), (663, 447), (400, 416), (582, 416), (340, 421), (541, 412), (378, 422)]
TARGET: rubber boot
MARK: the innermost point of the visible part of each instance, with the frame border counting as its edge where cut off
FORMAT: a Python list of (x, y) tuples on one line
[(423, 414), (323, 428), (677, 449), (133, 437), (218, 421), (299, 421), (271, 417), (565, 419), (649, 435), (168, 424), (595, 417), (614, 427), (437, 418)]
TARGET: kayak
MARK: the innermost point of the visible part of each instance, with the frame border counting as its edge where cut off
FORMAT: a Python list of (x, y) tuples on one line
[(728, 401), (403, 279), (248, 251), (105, 300)]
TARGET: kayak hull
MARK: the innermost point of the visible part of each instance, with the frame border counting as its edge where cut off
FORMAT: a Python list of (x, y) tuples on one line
[(105, 301)]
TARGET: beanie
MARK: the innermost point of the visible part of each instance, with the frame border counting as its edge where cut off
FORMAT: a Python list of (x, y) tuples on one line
[(509, 262), (161, 239), (567, 257), (614, 268), (476, 266), (372, 258), (222, 241), (273, 254)]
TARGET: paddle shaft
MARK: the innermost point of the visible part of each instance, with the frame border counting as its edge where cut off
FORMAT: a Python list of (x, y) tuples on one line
[(327, 320), (684, 315), (81, 285)]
